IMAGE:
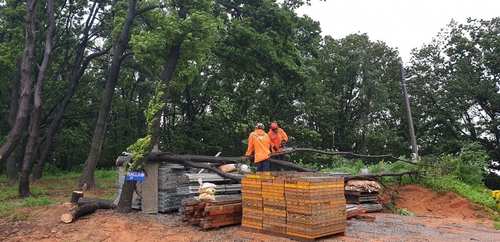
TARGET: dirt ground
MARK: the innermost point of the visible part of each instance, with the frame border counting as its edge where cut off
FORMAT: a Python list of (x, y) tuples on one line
[(436, 217)]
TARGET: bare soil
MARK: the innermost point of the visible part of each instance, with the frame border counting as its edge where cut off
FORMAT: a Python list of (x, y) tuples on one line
[(436, 217)]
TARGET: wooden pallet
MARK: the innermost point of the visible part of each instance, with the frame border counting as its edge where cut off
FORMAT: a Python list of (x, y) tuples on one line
[(296, 237), (356, 193)]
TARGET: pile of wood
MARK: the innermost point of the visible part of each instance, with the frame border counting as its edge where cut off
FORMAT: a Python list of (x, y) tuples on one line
[(363, 197), (213, 214)]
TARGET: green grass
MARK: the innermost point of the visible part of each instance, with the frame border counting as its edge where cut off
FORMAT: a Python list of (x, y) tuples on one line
[(404, 212), (496, 225), (48, 191)]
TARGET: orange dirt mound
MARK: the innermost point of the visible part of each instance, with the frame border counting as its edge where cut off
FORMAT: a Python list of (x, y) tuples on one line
[(421, 201)]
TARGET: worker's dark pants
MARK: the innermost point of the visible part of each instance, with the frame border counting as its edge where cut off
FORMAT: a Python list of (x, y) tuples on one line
[(275, 167), (263, 165)]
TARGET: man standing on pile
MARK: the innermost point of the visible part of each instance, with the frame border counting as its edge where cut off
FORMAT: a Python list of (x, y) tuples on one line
[(278, 140), (259, 143)]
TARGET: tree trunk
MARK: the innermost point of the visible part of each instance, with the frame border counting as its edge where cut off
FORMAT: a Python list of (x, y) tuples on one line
[(103, 204), (113, 74), (125, 202), (34, 128), (17, 131), (12, 168), (77, 70), (75, 196), (78, 212)]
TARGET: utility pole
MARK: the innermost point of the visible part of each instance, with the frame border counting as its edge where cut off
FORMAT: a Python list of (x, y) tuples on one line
[(408, 111)]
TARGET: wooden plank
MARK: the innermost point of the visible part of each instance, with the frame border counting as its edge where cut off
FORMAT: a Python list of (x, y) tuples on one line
[(365, 217), (192, 203), (353, 213), (231, 215), (206, 224), (210, 207), (227, 211), (356, 193), (211, 225)]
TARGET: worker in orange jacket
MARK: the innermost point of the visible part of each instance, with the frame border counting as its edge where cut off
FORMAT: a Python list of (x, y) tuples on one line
[(260, 144), (278, 140)]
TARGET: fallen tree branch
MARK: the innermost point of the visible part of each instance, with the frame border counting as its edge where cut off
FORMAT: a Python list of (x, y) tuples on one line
[(199, 161), (211, 168), (381, 174), (296, 150)]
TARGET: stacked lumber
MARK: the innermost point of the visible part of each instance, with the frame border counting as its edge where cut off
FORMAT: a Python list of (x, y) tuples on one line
[(363, 193), (297, 205), (213, 214)]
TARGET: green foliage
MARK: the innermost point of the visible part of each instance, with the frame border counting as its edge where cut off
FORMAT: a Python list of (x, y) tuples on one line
[(139, 148), (468, 166), (496, 225), (475, 193), (404, 212)]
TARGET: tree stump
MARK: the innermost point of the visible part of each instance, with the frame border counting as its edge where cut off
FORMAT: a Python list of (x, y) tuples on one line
[(79, 212), (75, 196)]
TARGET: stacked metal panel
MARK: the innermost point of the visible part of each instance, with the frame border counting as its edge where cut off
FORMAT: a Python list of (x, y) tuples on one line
[(168, 176), (305, 205)]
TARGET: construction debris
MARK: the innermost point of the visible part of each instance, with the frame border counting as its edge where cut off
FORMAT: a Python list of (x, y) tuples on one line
[(364, 195)]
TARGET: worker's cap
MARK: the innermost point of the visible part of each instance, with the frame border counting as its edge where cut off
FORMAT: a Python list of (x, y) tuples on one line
[(259, 125), (274, 126)]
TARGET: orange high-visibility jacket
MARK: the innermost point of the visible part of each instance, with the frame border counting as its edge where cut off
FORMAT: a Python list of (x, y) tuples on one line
[(276, 139), (259, 143)]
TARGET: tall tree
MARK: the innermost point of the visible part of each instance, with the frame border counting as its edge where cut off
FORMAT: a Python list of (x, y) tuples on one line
[(457, 87), (119, 54), (36, 113), (22, 115), (80, 62)]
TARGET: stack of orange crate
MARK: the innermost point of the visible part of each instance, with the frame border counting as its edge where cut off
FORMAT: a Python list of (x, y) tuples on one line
[(251, 194), (315, 206), (297, 204), (274, 205)]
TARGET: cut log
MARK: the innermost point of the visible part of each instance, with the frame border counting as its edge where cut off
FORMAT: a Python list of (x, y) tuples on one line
[(79, 211), (75, 196), (103, 204)]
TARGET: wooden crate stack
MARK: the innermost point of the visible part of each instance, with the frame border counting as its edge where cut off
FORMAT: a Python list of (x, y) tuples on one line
[(214, 214), (274, 205), (303, 205), (251, 194)]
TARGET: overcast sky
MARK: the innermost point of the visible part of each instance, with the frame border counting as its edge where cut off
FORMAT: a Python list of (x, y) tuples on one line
[(402, 24)]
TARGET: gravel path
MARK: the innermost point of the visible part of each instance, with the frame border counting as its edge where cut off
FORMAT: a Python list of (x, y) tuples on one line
[(386, 227)]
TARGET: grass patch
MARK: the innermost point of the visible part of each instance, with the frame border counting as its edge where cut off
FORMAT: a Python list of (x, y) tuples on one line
[(50, 190), (404, 212), (496, 225)]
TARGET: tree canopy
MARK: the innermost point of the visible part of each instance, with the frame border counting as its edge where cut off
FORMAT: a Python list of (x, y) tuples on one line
[(75, 86)]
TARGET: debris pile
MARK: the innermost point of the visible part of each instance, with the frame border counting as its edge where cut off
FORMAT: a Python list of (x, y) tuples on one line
[(361, 197)]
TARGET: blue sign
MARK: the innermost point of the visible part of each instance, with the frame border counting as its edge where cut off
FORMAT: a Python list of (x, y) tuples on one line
[(135, 176)]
